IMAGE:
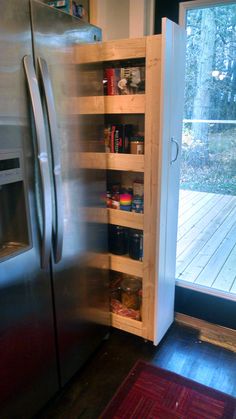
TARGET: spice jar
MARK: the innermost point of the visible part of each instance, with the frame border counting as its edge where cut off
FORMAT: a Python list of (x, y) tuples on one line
[(137, 145), (130, 287), (136, 245), (118, 240)]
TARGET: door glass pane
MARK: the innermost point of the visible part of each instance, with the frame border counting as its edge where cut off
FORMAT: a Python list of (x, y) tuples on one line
[(206, 248)]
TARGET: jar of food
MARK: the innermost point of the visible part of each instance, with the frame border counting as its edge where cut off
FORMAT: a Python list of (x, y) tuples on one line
[(118, 240), (130, 287), (136, 245), (115, 286), (137, 204), (137, 145), (115, 292)]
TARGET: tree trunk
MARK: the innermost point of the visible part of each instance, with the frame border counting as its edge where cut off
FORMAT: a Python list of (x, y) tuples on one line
[(201, 107)]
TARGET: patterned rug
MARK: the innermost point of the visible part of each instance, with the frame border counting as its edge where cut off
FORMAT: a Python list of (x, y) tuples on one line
[(150, 392)]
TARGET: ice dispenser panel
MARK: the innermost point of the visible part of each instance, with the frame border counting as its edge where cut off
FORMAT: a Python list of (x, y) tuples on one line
[(14, 225)]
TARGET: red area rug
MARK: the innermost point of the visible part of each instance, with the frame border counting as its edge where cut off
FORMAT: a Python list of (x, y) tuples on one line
[(150, 392)]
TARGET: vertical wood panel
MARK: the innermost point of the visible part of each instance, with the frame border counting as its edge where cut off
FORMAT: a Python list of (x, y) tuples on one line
[(151, 188)]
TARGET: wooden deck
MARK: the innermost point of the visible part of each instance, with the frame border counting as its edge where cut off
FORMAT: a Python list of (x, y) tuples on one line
[(206, 247)]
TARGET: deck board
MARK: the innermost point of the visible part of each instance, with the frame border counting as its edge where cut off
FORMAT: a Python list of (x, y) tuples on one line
[(202, 228), (223, 280), (201, 218), (206, 246)]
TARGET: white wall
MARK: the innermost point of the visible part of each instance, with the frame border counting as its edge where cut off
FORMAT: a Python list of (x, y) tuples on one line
[(123, 18)]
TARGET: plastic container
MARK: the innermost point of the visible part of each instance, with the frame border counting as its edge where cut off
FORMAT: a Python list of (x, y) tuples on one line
[(130, 292), (125, 201)]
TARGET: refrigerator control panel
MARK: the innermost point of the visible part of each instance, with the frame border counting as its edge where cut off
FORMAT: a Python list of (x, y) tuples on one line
[(10, 167)]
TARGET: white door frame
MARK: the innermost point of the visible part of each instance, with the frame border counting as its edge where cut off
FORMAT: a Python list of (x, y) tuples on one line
[(184, 6)]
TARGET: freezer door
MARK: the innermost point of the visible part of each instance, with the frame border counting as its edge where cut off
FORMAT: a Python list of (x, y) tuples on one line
[(28, 366), (80, 270)]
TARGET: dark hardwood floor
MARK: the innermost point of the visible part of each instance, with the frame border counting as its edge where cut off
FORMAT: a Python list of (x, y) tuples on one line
[(90, 390)]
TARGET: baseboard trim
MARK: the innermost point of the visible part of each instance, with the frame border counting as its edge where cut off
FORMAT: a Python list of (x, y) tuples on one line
[(209, 332)]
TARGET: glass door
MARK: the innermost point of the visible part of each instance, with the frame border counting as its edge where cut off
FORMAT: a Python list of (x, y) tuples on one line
[(206, 246), (205, 263)]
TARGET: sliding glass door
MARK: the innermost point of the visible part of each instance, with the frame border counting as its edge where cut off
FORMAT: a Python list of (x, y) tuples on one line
[(206, 248)]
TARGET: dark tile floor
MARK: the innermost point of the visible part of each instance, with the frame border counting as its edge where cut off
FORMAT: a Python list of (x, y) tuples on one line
[(180, 351)]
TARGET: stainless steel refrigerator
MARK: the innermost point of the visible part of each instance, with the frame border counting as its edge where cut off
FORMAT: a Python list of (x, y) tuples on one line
[(54, 307)]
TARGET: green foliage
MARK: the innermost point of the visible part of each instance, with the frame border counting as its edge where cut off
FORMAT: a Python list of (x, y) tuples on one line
[(209, 168)]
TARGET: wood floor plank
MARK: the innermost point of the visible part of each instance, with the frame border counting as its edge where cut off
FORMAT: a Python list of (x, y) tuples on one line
[(211, 218), (233, 288), (226, 277), (200, 219), (208, 248), (184, 193), (194, 209), (189, 202), (217, 259), (181, 351), (192, 244)]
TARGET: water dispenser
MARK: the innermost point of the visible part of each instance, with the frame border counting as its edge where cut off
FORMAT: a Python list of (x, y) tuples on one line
[(14, 215)]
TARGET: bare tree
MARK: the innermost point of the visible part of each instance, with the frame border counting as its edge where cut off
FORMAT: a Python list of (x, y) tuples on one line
[(202, 100)]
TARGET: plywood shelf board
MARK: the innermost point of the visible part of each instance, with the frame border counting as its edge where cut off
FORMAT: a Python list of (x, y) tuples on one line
[(90, 160), (126, 265), (125, 162), (122, 49), (110, 161), (123, 104), (99, 105), (151, 180), (125, 218), (126, 324)]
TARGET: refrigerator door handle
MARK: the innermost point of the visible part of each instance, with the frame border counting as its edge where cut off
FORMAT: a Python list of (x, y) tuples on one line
[(42, 158), (56, 161)]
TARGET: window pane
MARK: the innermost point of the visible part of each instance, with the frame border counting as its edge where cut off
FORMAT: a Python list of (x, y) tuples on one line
[(209, 129)]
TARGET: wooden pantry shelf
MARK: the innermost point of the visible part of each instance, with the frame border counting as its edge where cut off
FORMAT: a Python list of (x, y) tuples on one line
[(126, 265), (89, 160), (125, 218), (111, 161), (94, 105), (124, 104), (122, 49), (125, 162), (126, 324), (84, 105)]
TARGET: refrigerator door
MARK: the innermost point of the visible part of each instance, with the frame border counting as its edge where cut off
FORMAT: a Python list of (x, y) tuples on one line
[(28, 365), (80, 270)]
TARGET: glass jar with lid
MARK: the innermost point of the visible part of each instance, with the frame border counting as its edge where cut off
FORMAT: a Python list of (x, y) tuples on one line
[(137, 145), (136, 244), (118, 240), (130, 287)]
